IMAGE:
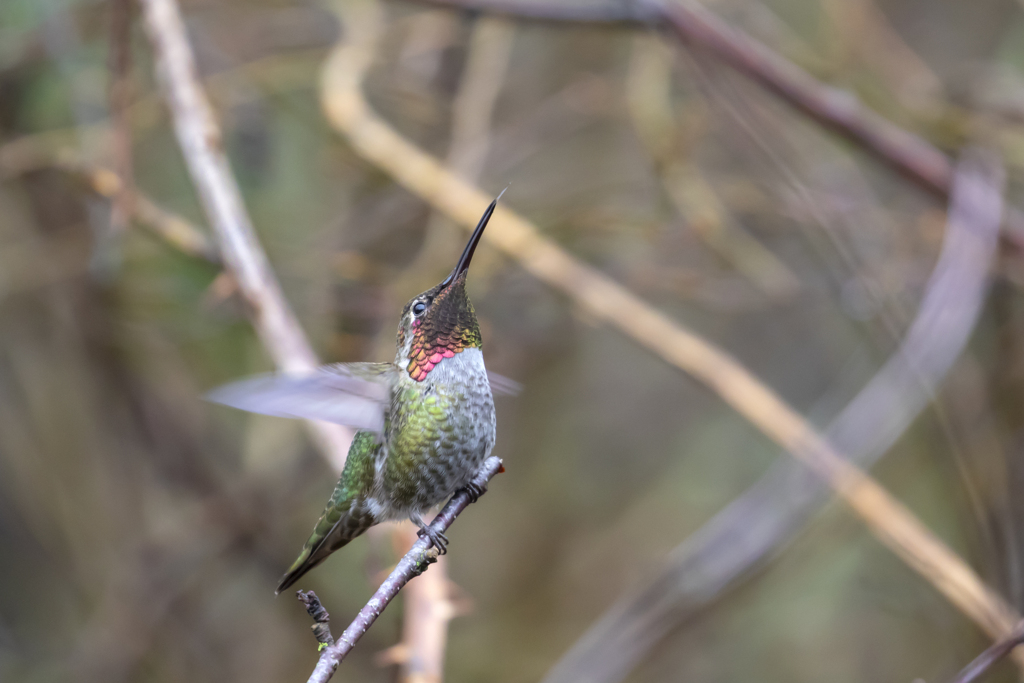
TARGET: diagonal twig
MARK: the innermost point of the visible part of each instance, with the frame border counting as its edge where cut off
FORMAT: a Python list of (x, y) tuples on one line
[(837, 109), (990, 657), (695, 199), (200, 141), (414, 563), (32, 153), (606, 301)]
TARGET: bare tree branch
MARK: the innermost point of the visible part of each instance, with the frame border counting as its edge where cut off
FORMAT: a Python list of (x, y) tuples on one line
[(415, 562), (694, 26), (606, 301), (119, 96), (321, 619), (625, 12), (200, 141), (650, 107), (427, 608), (32, 152), (755, 526), (990, 657), (834, 108)]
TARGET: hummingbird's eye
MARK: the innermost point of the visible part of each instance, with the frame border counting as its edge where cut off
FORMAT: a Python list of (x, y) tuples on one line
[(418, 308)]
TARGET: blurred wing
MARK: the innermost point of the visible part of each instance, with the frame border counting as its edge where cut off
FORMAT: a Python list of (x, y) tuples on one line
[(351, 394), (503, 386)]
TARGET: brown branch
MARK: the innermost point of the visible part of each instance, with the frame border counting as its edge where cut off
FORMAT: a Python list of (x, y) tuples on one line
[(173, 229), (769, 514), (990, 657), (617, 12), (833, 108), (38, 151), (427, 610), (608, 302), (321, 619), (119, 97), (415, 562), (200, 141), (695, 199), (695, 27), (837, 110)]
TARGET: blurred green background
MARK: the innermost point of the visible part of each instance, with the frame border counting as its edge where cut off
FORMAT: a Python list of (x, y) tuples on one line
[(142, 530)]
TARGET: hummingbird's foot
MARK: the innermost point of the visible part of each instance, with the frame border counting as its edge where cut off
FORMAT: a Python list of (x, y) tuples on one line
[(475, 490), (438, 539)]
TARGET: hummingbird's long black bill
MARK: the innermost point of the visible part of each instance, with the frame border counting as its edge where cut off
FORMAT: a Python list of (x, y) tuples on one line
[(467, 253)]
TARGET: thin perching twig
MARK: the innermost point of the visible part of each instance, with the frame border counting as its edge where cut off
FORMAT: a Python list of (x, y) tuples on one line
[(414, 563), (987, 659), (200, 141), (605, 300)]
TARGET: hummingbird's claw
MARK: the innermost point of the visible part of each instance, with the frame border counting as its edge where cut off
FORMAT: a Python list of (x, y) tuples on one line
[(437, 538), (475, 490)]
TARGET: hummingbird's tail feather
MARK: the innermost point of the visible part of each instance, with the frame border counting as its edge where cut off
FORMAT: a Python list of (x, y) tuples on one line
[(337, 526)]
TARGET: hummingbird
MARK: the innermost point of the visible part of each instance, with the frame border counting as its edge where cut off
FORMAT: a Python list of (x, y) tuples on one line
[(425, 422)]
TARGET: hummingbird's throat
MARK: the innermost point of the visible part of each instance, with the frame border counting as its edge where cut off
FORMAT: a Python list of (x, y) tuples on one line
[(424, 356), (448, 326), (430, 347)]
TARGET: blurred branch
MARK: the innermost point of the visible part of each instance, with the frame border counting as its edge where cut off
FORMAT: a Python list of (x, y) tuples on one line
[(990, 657), (35, 152), (487, 60), (346, 108), (624, 12), (649, 102), (200, 141), (756, 525), (867, 37), (834, 108), (483, 76), (415, 562), (120, 99), (427, 610), (171, 227)]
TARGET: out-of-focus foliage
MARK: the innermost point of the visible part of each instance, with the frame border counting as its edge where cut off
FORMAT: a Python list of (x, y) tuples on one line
[(142, 530)]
